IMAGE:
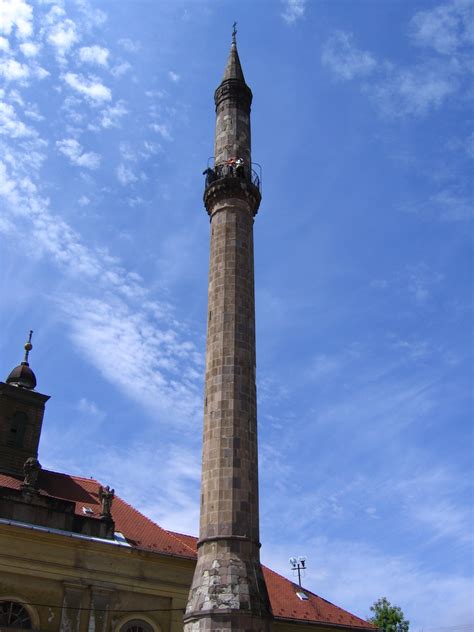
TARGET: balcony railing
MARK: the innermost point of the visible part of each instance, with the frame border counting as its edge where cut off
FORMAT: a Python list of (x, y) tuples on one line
[(234, 168)]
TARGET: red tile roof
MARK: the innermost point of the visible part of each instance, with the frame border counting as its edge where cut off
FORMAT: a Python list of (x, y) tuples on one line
[(287, 605), (139, 530), (142, 533)]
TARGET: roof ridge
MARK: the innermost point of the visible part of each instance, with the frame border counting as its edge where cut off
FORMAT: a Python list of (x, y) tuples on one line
[(288, 580), (81, 478), (174, 535), (155, 524), (185, 535)]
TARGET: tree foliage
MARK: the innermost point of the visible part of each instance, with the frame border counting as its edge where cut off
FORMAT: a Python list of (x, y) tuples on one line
[(387, 617)]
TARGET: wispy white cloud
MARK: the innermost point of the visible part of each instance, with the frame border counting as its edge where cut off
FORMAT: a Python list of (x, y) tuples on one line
[(4, 45), (463, 145), (174, 76), (453, 206), (16, 16), (162, 129), (121, 69), (428, 498), (111, 115), (90, 409), (127, 152), (125, 326), (74, 151), (446, 28), (125, 174), (62, 36), (29, 49), (150, 148), (129, 45), (447, 204), (92, 16), (325, 365), (341, 56), (92, 88), (415, 90), (293, 10), (33, 113), (94, 55), (151, 362), (417, 282), (10, 123), (135, 201), (416, 349), (421, 282), (444, 33), (11, 70), (7, 187)]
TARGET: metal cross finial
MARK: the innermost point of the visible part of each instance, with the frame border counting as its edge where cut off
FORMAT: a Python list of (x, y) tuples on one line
[(28, 347), (234, 32)]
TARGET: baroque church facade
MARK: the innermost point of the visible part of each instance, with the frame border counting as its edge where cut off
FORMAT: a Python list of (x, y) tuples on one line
[(75, 557)]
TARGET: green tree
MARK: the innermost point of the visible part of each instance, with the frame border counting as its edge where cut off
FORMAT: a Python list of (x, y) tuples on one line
[(387, 617)]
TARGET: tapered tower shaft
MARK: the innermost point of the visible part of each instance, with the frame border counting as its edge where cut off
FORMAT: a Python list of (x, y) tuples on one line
[(228, 590)]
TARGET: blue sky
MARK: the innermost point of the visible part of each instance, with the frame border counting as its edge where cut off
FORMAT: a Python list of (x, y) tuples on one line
[(362, 121)]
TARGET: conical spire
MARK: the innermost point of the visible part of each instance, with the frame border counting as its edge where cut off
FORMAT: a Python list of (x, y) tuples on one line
[(233, 70)]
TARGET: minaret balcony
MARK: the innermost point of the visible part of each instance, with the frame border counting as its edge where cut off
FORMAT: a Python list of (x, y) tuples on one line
[(234, 168), (233, 178)]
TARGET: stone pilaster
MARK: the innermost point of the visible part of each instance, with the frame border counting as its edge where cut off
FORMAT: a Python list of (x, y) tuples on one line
[(99, 605), (71, 613)]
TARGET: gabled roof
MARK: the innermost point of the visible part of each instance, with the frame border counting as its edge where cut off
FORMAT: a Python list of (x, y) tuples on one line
[(142, 533)]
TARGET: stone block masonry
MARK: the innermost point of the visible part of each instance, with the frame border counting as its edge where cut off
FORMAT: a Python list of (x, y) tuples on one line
[(228, 590)]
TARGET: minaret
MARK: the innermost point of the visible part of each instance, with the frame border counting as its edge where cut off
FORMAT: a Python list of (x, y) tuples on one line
[(228, 590)]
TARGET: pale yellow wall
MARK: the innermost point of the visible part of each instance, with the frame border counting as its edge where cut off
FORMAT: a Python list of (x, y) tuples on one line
[(45, 568)]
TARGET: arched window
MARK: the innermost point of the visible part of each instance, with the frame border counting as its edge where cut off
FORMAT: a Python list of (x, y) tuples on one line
[(136, 625), (14, 615), (17, 428)]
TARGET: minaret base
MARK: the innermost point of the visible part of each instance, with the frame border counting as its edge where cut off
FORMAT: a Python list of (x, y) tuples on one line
[(228, 591), (227, 622)]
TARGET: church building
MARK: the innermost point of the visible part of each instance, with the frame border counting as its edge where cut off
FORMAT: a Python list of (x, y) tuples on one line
[(75, 557)]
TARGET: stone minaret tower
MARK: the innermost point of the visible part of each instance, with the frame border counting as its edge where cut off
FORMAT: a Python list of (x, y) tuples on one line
[(228, 590)]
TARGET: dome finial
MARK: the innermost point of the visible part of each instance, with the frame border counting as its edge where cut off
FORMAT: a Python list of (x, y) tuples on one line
[(22, 375), (234, 33), (28, 347)]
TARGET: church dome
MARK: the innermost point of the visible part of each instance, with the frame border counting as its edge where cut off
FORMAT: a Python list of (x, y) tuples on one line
[(22, 376)]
